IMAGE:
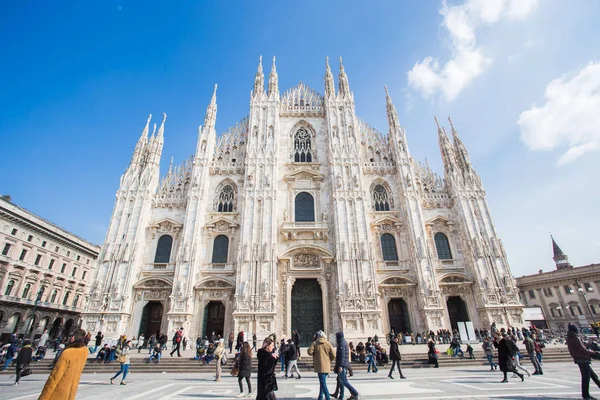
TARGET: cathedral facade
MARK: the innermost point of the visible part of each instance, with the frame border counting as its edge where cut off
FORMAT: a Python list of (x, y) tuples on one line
[(301, 216)]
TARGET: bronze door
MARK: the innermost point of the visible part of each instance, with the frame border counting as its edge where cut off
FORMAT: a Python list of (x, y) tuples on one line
[(398, 313), (151, 319), (457, 311), (307, 309)]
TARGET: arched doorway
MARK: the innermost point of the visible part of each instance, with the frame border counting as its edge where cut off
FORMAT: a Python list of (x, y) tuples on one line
[(67, 331), (307, 309), (55, 330), (214, 319), (457, 311), (398, 314), (151, 319)]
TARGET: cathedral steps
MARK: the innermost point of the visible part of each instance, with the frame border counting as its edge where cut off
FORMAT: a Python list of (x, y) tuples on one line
[(188, 365)]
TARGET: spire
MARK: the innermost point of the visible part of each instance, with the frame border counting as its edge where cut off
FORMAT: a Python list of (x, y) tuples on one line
[(273, 80), (445, 147), (392, 114), (211, 111), (344, 87), (170, 168), (462, 155), (329, 84), (560, 259), (142, 141), (161, 130), (259, 80)]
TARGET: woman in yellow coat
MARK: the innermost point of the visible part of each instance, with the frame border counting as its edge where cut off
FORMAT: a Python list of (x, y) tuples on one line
[(63, 382)]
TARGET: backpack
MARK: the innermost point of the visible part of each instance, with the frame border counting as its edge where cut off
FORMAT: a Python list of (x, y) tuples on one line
[(178, 337)]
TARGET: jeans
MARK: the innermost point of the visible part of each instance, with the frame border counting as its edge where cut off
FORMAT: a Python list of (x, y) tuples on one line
[(489, 357), (7, 363), (323, 390), (343, 378), (371, 361), (586, 373), (124, 370), (536, 364), (539, 357), (290, 368), (458, 350), (282, 362)]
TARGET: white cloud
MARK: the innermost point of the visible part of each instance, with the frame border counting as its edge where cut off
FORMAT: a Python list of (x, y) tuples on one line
[(467, 60), (569, 118)]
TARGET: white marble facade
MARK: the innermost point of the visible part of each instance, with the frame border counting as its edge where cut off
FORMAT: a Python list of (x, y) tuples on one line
[(300, 189)]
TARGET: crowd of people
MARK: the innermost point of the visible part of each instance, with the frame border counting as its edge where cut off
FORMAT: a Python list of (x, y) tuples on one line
[(71, 357)]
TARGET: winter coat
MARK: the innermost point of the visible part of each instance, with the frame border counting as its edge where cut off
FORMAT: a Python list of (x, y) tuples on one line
[(487, 348), (24, 357), (124, 352), (292, 352), (99, 339), (342, 353), (266, 380), (395, 351), (431, 346), (11, 350), (322, 354), (43, 339), (505, 355), (63, 382), (244, 365), (580, 354), (529, 345)]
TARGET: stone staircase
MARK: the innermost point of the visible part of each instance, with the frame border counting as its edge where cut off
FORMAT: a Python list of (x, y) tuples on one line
[(187, 365)]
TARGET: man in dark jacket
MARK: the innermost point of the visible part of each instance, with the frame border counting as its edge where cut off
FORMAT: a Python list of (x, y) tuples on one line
[(530, 346), (395, 357), (507, 351), (342, 363), (583, 358), (23, 359)]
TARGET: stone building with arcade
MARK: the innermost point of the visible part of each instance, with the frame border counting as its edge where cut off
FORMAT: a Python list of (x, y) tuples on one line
[(301, 216), (44, 275)]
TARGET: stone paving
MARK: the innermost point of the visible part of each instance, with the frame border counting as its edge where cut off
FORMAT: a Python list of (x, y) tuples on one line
[(560, 381)]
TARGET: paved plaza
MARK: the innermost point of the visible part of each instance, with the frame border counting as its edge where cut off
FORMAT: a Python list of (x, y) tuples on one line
[(560, 381)]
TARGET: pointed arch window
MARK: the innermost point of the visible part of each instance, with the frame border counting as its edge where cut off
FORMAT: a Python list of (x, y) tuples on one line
[(443, 246), (9, 287), (163, 250), (388, 247), (302, 146), (220, 250), (380, 199), (304, 207), (26, 291), (226, 198)]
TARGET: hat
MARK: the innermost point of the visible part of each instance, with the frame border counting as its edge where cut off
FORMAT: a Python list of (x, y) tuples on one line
[(572, 328), (320, 334)]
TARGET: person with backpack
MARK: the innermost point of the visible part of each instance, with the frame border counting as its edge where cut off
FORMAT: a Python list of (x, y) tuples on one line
[(177, 342)]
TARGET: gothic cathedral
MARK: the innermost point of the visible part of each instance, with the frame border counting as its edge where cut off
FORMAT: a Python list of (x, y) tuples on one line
[(301, 216)]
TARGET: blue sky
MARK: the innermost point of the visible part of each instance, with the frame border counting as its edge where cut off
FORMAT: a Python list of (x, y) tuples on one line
[(519, 78)]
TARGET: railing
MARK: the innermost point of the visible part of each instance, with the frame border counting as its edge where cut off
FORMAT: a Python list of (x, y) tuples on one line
[(45, 304)]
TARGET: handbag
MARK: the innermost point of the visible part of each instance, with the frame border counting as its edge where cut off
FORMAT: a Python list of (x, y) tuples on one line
[(122, 358), (26, 371), (223, 360), (235, 370)]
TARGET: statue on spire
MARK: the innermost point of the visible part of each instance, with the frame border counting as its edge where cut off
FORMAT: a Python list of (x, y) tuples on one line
[(329, 84), (344, 86), (259, 80), (273, 81)]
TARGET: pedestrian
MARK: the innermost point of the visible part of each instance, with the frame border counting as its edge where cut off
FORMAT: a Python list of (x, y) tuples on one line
[(254, 340), (245, 369), (266, 380), (123, 359), (292, 360), (11, 352), (583, 358), (518, 357), (322, 354), (296, 339), (342, 362), (470, 351), (142, 339), (99, 337), (63, 381), (43, 339), (239, 341), (432, 352), (487, 349), (282, 357), (371, 356), (530, 346), (395, 357), (23, 359), (177, 342), (231, 339), (506, 354), (219, 354)]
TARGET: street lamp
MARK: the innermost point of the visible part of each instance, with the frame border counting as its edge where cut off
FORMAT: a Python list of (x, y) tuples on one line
[(584, 294), (38, 297)]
